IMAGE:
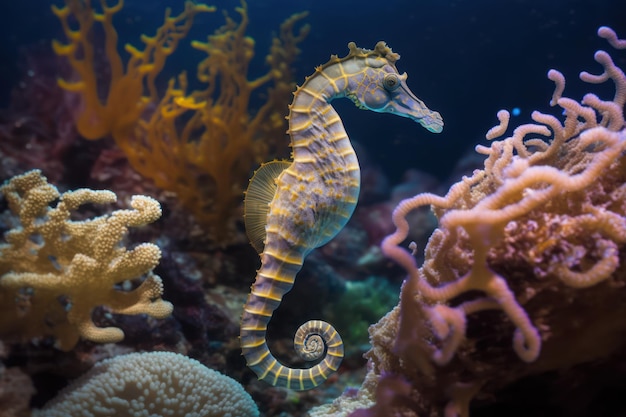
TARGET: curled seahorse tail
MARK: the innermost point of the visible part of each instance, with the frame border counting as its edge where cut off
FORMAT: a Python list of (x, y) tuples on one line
[(312, 339)]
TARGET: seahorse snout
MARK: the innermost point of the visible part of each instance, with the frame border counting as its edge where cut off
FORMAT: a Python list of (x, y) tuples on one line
[(405, 103), (432, 122)]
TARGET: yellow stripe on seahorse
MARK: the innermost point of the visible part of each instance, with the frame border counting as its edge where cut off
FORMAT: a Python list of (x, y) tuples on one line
[(293, 207)]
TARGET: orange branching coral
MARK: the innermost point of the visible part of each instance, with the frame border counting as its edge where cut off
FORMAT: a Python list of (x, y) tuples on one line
[(203, 144), (129, 90)]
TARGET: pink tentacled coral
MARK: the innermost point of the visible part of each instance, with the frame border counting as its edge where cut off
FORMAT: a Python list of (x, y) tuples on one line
[(525, 273), (549, 204)]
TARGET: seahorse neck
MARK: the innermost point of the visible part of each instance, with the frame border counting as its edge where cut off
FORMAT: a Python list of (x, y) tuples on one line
[(313, 122)]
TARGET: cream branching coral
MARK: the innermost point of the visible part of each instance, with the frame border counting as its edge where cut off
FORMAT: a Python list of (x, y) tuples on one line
[(54, 270), (152, 384)]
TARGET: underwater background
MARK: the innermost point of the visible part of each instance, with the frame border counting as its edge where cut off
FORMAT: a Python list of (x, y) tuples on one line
[(515, 44), (465, 59)]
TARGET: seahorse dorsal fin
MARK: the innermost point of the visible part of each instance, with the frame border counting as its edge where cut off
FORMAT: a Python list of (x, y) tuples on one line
[(259, 194)]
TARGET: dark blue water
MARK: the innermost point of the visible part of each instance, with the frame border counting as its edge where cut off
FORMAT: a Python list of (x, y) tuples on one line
[(465, 59)]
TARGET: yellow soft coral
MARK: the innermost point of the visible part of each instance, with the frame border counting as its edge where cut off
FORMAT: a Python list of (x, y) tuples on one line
[(203, 144), (126, 97), (54, 270)]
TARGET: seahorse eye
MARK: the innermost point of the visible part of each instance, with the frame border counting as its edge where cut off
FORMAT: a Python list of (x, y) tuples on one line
[(391, 82)]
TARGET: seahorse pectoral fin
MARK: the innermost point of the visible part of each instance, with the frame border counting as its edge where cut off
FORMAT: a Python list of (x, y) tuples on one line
[(258, 196), (406, 104)]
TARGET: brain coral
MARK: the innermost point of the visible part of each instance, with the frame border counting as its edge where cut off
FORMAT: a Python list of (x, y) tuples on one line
[(151, 384)]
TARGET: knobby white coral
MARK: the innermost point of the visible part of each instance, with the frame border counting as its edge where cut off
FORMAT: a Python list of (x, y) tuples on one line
[(153, 384)]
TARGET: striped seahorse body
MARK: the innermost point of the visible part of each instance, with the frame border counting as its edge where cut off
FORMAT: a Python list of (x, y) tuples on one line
[(312, 199)]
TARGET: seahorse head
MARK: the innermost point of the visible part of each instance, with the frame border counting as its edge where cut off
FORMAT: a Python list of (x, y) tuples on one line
[(381, 88)]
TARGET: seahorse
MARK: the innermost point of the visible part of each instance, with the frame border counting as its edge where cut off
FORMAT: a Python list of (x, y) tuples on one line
[(294, 207)]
